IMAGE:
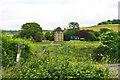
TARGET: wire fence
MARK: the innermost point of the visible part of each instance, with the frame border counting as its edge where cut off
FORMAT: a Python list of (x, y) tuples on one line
[(55, 49)]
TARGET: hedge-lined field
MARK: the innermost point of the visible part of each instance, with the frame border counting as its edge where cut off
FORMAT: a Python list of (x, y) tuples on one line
[(82, 60)]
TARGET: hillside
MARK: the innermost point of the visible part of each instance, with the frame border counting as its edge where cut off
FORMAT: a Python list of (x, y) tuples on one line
[(98, 27)]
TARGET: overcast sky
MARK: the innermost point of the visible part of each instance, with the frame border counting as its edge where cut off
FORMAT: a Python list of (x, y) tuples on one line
[(54, 13)]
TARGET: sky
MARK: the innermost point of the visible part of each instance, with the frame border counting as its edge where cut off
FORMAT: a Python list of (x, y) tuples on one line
[(51, 14)]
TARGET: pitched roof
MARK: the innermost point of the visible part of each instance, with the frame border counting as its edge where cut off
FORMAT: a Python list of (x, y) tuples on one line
[(58, 29)]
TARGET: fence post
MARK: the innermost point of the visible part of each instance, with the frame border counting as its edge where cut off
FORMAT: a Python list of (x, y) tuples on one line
[(42, 50), (56, 52), (19, 53), (67, 50)]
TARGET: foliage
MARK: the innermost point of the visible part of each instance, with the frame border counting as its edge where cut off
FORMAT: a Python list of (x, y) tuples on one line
[(91, 37), (74, 27), (67, 35), (10, 32), (119, 33), (51, 67), (114, 21), (83, 34), (31, 39), (97, 33), (31, 29), (104, 30), (72, 31), (109, 46), (9, 50), (49, 35), (82, 39), (87, 35)]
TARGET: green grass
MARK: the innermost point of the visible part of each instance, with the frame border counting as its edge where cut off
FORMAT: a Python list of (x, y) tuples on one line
[(36, 47), (78, 52), (98, 27)]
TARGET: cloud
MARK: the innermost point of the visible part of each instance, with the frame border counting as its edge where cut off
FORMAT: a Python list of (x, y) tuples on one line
[(53, 13)]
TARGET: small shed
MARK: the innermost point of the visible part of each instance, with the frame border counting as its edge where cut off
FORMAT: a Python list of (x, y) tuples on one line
[(74, 38)]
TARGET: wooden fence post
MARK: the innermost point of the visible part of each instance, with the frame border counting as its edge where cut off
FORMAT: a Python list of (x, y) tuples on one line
[(19, 53), (67, 50)]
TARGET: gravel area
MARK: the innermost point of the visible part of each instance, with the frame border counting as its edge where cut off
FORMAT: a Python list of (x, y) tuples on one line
[(115, 68)]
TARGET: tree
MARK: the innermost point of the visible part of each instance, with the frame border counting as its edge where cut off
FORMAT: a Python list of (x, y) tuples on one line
[(31, 29), (91, 37), (83, 34), (96, 33), (49, 35), (74, 28), (52, 36), (67, 35), (114, 21)]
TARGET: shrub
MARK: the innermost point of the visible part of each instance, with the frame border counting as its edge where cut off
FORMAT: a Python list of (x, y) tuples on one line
[(82, 39), (104, 30), (91, 37), (110, 42), (83, 34), (51, 67), (9, 50), (97, 33)]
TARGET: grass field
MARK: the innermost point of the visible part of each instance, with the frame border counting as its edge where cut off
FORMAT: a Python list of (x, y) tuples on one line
[(36, 47), (79, 52), (98, 27)]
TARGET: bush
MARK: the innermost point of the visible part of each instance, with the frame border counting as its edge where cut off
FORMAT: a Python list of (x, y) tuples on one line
[(9, 50), (51, 67), (49, 35), (91, 37), (110, 42), (104, 30), (97, 33), (83, 34)]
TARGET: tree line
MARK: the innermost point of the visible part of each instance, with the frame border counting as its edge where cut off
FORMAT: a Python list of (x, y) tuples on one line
[(114, 21), (34, 32)]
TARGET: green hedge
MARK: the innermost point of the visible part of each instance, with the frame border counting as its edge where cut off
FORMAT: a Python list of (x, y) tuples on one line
[(9, 50), (51, 67), (110, 46)]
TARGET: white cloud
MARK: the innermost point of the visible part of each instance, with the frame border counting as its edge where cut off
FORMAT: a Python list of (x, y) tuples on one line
[(53, 13)]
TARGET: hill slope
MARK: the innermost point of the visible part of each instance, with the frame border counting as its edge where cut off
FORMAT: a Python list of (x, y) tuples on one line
[(98, 27)]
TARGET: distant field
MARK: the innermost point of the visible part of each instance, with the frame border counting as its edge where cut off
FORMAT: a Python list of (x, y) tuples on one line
[(98, 27), (95, 28), (36, 47)]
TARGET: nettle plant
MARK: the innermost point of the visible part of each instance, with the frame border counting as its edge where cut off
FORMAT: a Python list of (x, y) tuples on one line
[(108, 47)]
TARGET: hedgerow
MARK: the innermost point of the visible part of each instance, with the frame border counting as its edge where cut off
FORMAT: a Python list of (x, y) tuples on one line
[(52, 67), (110, 42), (9, 50)]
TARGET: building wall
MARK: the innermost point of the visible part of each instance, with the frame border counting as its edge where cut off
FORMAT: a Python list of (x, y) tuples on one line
[(58, 36)]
